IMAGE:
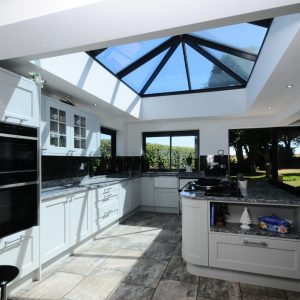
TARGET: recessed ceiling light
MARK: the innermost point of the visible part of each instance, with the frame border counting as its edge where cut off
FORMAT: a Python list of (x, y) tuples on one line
[(290, 86), (96, 104), (270, 106)]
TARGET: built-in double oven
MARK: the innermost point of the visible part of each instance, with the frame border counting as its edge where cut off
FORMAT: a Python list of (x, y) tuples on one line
[(18, 178)]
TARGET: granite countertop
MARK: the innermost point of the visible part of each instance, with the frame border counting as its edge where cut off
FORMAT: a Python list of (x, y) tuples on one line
[(260, 192)]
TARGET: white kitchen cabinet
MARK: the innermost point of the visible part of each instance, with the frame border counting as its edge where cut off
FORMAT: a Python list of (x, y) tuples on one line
[(66, 130), (135, 193), (166, 197), (80, 217), (124, 198), (21, 249), (55, 227), (195, 232), (19, 99), (147, 192)]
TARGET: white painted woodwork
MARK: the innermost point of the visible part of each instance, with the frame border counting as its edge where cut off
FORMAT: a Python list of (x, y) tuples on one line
[(21, 249), (55, 224), (166, 197), (135, 193), (80, 217), (277, 257), (147, 191), (195, 232), (19, 99), (166, 181), (124, 198)]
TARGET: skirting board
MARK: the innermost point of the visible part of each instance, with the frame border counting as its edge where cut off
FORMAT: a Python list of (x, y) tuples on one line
[(243, 277), (160, 209)]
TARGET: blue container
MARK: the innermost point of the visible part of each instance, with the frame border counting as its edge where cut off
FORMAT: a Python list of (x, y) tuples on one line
[(274, 224)]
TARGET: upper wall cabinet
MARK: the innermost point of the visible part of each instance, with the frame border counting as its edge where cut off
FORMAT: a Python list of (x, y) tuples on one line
[(19, 99), (66, 130)]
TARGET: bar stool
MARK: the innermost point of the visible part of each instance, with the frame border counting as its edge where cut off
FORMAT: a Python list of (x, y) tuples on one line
[(7, 274)]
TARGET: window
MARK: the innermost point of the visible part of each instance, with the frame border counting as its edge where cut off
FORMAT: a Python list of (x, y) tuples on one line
[(108, 143), (167, 151)]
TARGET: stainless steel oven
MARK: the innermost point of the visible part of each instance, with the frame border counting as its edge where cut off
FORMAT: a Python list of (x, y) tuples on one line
[(18, 177)]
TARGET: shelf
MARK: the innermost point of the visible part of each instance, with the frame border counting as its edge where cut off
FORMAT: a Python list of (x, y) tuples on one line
[(234, 228)]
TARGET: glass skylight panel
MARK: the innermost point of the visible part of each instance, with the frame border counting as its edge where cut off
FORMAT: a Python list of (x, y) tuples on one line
[(245, 36), (241, 66), (118, 57), (204, 74), (138, 78), (172, 77)]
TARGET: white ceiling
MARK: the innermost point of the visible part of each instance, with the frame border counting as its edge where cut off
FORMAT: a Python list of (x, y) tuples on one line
[(34, 29)]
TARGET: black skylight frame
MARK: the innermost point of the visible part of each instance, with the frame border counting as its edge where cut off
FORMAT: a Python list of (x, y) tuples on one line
[(197, 43)]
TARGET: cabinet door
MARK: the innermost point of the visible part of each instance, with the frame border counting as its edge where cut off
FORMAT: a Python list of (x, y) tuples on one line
[(21, 250), (54, 227), (135, 193), (19, 99), (80, 217), (124, 198), (93, 136), (79, 134), (195, 232), (166, 197), (55, 134), (147, 191)]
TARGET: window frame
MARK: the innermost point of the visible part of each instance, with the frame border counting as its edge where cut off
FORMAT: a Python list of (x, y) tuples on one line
[(171, 134), (113, 135)]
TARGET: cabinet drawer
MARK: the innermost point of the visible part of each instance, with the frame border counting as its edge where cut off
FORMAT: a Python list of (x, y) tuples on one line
[(103, 202), (107, 192), (260, 255), (108, 213)]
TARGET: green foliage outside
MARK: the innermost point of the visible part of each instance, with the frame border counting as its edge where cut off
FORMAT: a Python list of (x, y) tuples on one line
[(158, 156)]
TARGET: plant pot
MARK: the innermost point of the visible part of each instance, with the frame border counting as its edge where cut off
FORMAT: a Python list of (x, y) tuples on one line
[(189, 169)]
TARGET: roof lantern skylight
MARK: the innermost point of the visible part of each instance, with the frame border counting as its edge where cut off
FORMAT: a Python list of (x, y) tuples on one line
[(207, 60)]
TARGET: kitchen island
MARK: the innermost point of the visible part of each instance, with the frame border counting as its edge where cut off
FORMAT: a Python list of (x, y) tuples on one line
[(254, 256)]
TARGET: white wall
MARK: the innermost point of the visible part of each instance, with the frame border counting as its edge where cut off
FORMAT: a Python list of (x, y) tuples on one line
[(213, 132)]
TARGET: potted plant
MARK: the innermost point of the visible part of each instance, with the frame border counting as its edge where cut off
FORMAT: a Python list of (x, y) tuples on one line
[(189, 161)]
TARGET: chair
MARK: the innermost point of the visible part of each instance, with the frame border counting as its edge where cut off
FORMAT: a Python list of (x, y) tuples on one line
[(7, 274)]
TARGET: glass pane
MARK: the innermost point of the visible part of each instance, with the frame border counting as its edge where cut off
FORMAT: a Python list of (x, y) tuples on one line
[(242, 67), (53, 113), (62, 116), (106, 147), (289, 157), (54, 140), (76, 143), (62, 141), (204, 74), (158, 152), (62, 128), (182, 147), (139, 77), (83, 144), (172, 77), (119, 57), (76, 120), (245, 36), (53, 126), (76, 131), (83, 132), (82, 122)]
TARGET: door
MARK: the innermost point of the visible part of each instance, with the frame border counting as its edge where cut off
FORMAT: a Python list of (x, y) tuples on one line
[(124, 198)]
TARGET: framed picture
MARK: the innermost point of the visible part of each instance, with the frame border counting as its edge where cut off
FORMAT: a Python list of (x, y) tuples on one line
[(220, 152)]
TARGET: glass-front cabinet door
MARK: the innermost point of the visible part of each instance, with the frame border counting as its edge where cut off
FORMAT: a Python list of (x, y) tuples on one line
[(80, 134)]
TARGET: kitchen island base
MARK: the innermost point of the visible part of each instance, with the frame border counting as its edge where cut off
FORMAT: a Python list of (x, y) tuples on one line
[(243, 277)]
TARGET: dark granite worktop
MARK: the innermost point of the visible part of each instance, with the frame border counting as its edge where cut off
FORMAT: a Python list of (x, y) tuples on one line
[(259, 192)]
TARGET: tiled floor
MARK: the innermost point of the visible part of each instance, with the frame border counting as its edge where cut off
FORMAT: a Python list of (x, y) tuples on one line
[(139, 259)]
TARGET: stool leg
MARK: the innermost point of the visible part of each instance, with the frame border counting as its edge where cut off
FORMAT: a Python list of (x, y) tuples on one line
[(3, 292)]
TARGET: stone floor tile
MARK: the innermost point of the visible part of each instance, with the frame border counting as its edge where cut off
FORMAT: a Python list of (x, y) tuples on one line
[(159, 251), (54, 287), (97, 286), (176, 270), (292, 295), (109, 242), (260, 297), (83, 263), (178, 250), (175, 290), (169, 236), (261, 290), (122, 259), (131, 292), (139, 242), (219, 289), (146, 272)]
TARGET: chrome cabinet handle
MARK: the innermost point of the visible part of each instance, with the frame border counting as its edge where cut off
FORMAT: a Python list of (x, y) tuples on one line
[(255, 244), (17, 240)]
